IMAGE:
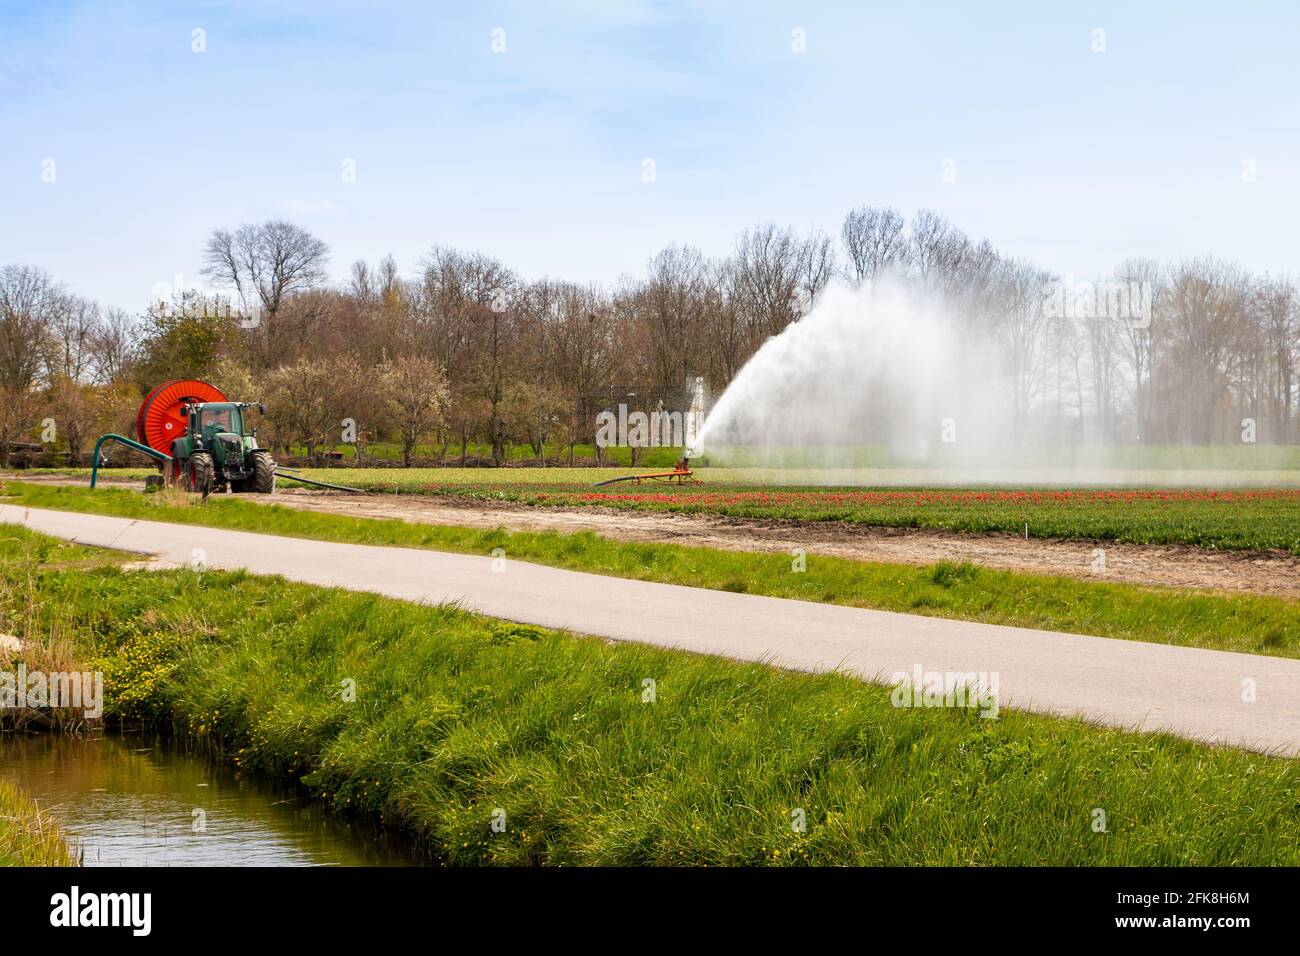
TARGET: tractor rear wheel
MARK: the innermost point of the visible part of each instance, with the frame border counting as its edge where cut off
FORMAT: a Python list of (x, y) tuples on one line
[(200, 473), (263, 480)]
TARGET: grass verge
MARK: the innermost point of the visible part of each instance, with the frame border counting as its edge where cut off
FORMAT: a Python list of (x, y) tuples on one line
[(439, 722), (29, 837), (1245, 623)]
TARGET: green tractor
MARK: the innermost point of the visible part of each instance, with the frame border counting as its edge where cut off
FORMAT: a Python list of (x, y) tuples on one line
[(218, 451)]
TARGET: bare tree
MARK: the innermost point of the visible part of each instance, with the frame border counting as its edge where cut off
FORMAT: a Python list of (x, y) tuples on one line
[(874, 240), (265, 263), (965, 276), (1207, 304), (72, 406), (816, 268), (361, 283), (1144, 281), (71, 342), (1022, 327), (729, 339), (30, 304), (388, 280), (18, 415), (1101, 333), (1276, 307), (114, 345), (947, 262), (769, 264), (470, 307), (671, 302), (930, 244), (584, 352)]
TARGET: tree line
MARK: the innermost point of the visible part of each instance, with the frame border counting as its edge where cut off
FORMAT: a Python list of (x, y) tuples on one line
[(463, 352)]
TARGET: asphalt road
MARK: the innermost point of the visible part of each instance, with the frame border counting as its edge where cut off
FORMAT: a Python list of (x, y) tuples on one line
[(1194, 693)]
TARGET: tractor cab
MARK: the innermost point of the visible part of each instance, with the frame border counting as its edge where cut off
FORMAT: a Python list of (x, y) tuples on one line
[(218, 428), (215, 418), (214, 423)]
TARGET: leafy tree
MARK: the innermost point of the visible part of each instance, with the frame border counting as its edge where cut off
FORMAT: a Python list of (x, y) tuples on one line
[(415, 393)]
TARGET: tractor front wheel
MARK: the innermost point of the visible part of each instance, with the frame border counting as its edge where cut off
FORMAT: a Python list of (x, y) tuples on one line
[(201, 473), (263, 480)]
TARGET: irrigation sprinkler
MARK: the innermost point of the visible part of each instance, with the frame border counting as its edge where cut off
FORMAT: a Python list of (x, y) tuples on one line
[(680, 475)]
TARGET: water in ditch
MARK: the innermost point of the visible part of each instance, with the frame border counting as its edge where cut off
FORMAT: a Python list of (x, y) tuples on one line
[(137, 801)]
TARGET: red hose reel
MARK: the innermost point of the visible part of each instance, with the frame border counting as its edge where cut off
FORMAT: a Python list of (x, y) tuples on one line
[(160, 420)]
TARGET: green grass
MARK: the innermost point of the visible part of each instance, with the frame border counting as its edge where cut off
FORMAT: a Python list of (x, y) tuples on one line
[(458, 718), (53, 552), (28, 835), (1250, 624)]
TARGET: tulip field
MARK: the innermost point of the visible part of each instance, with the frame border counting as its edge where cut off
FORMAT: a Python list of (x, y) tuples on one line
[(1223, 519)]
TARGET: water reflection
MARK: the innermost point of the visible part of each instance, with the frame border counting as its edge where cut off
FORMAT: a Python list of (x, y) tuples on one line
[(135, 801)]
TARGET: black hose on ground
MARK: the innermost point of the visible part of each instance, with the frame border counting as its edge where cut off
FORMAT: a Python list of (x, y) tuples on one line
[(286, 473)]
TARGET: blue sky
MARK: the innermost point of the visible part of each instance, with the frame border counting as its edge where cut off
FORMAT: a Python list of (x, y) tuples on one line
[(1072, 158)]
